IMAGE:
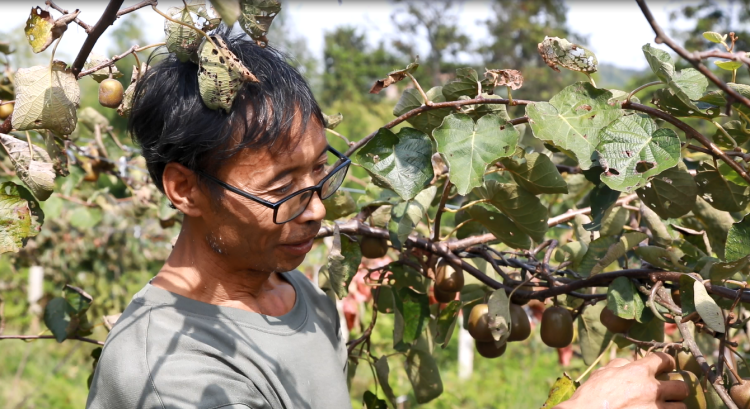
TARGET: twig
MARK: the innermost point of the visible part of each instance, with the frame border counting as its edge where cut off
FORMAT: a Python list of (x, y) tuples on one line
[(33, 337), (440, 208), (344, 138), (78, 21), (633, 92), (419, 88), (662, 37), (108, 17), (366, 334), (137, 6), (650, 344), (132, 50), (98, 139)]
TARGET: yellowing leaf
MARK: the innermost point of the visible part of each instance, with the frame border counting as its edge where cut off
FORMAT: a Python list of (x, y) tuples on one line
[(46, 98), (41, 30), (220, 75), (561, 390), (729, 65), (256, 17), (20, 217), (37, 173)]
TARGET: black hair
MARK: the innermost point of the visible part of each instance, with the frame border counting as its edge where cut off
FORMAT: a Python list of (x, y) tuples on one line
[(171, 123)]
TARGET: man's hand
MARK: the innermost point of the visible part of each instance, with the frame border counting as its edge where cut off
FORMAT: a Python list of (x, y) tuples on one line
[(632, 385)]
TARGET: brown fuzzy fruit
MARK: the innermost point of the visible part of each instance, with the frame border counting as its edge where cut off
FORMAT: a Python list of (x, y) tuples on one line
[(442, 296), (696, 398), (5, 111), (449, 279), (687, 362), (479, 323), (557, 327), (490, 349), (740, 394), (373, 247), (520, 327), (615, 324), (110, 93)]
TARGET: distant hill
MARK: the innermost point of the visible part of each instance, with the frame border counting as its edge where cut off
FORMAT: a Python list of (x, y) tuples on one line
[(612, 76)]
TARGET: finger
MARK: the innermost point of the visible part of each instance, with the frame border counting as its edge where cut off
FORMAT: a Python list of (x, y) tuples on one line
[(617, 362), (672, 390), (658, 362), (672, 405)]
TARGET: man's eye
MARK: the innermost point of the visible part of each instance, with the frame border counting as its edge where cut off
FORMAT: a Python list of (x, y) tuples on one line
[(320, 168), (282, 190)]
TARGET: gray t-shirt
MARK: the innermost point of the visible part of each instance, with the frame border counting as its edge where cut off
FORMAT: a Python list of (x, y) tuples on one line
[(169, 351)]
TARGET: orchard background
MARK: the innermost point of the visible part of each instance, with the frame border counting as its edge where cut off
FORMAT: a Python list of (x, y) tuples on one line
[(533, 179)]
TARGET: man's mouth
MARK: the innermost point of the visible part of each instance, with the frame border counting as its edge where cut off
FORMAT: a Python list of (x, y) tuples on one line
[(299, 247)]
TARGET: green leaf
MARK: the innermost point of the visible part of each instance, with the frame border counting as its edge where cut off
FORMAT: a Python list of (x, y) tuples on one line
[(624, 300), (466, 84), (561, 390), (499, 315), (20, 217), (606, 250), (371, 401), (382, 370), (593, 335), (411, 311), (688, 84), (706, 307), (652, 330), (719, 192), (405, 276), (738, 240), (714, 37), (339, 205), (687, 294), (37, 173), (660, 257), (406, 215), (469, 147), (729, 65), (426, 121), (536, 173), (256, 17), (83, 218), (602, 198), (576, 250), (229, 10), (522, 207), (446, 323), (633, 149), (46, 98), (716, 222), (501, 226), (731, 175), (613, 220), (423, 372), (57, 317), (182, 40), (658, 229), (670, 194), (79, 300), (573, 119), (220, 75), (479, 110), (667, 101), (400, 162), (377, 196), (559, 51)]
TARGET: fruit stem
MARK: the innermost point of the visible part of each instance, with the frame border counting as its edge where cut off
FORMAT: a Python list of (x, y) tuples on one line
[(733, 371), (593, 364)]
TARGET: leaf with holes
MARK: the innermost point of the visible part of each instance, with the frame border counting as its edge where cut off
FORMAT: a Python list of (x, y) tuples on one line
[(573, 120), (37, 173), (393, 77), (501, 226), (688, 84), (46, 98), (20, 217), (719, 192), (220, 75), (229, 10), (632, 150), (536, 173), (256, 17), (470, 146), (425, 121), (671, 193), (41, 30), (182, 40), (102, 74), (521, 206), (559, 51), (400, 162), (406, 215)]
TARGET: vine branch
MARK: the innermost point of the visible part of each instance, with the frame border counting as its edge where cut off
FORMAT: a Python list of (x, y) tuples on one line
[(33, 337), (108, 17)]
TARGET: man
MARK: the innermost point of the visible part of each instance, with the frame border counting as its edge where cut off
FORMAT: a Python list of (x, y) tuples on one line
[(227, 322)]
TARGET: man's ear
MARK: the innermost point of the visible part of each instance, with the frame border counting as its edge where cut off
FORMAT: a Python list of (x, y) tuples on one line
[(182, 188)]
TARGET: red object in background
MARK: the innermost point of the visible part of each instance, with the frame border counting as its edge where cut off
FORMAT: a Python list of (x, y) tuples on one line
[(564, 355), (359, 291), (669, 328)]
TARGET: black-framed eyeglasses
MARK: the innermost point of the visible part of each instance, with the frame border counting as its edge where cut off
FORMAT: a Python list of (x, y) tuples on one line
[(293, 205)]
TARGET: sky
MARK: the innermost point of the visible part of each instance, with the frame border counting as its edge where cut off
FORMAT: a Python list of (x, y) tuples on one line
[(616, 29)]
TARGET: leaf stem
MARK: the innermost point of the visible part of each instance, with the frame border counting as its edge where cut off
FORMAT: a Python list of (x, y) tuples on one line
[(726, 134), (340, 136), (419, 88), (455, 229), (466, 206), (644, 86)]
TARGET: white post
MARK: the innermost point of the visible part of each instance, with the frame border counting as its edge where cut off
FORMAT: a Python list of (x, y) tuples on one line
[(34, 294), (465, 351)]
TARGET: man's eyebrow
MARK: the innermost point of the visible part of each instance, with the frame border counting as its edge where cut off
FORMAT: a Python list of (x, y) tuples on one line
[(289, 170)]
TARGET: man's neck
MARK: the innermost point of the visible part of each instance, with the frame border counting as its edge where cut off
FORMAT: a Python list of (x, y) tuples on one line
[(195, 271)]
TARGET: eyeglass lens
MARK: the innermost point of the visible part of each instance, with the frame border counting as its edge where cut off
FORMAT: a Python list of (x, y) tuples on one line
[(297, 204)]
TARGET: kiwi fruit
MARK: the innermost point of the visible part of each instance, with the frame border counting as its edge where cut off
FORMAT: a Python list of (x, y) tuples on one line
[(373, 247), (520, 327), (557, 327), (740, 394), (442, 296), (490, 349), (696, 398), (6, 110), (687, 362), (110, 93), (614, 324), (479, 324), (449, 279)]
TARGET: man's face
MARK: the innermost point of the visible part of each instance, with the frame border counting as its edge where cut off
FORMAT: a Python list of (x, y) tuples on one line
[(242, 231)]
